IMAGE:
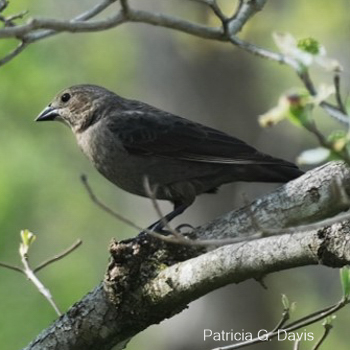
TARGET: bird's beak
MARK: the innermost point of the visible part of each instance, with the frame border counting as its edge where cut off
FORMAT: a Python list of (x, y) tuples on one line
[(49, 113)]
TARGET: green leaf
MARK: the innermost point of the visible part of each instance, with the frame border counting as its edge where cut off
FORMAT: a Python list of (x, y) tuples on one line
[(285, 302), (328, 320), (300, 109), (309, 45), (28, 239), (293, 307), (345, 281)]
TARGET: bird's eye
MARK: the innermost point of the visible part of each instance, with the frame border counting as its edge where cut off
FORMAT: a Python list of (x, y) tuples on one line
[(65, 97)]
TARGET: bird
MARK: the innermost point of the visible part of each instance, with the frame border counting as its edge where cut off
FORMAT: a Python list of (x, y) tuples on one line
[(129, 141)]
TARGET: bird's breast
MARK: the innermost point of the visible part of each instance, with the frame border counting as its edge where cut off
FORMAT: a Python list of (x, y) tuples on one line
[(109, 157)]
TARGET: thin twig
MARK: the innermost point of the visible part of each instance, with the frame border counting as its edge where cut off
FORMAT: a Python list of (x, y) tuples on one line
[(246, 10), (213, 5), (311, 127), (11, 267), (107, 209), (125, 6), (93, 12), (305, 78), (303, 322), (32, 35), (122, 218), (264, 53), (151, 193), (296, 344), (339, 113), (335, 113), (168, 239), (41, 288), (59, 256), (217, 11), (10, 20), (327, 329), (314, 314), (37, 29), (338, 94), (3, 5), (240, 3), (282, 321), (317, 317), (30, 273), (13, 53)]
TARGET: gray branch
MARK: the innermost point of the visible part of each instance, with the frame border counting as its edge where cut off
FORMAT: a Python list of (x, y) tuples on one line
[(39, 28), (138, 292)]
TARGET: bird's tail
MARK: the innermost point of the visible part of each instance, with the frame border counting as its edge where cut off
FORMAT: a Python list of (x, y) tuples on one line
[(272, 173)]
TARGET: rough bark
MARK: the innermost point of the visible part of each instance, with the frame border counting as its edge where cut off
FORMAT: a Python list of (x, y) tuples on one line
[(148, 280)]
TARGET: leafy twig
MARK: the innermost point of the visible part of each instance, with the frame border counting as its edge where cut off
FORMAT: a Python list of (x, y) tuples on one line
[(303, 322), (327, 328), (41, 288), (27, 239)]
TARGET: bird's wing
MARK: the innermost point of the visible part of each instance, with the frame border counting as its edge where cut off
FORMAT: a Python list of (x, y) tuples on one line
[(166, 135)]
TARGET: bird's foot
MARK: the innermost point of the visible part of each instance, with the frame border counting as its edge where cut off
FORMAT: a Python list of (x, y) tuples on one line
[(159, 228)]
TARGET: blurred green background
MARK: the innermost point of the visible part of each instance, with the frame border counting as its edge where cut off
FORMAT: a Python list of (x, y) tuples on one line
[(210, 82)]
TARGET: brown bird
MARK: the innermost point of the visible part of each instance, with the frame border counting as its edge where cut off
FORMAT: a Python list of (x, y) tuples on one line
[(128, 140)]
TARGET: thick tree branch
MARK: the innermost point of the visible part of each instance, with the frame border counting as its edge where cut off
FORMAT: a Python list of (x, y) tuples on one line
[(308, 199), (138, 291)]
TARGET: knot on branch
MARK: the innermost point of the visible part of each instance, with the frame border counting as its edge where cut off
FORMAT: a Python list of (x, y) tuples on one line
[(334, 250), (135, 261)]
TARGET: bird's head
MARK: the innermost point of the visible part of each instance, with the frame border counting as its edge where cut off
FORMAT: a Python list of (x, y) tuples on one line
[(78, 106)]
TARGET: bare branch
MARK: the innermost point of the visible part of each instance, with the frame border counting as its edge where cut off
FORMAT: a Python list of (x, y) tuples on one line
[(13, 53), (282, 321), (151, 193), (31, 34), (311, 127), (3, 5), (327, 329), (105, 207), (97, 9), (305, 321), (34, 279), (338, 94), (59, 256), (95, 322), (245, 11), (11, 267), (296, 345), (176, 239), (335, 112), (37, 29), (261, 52), (9, 21)]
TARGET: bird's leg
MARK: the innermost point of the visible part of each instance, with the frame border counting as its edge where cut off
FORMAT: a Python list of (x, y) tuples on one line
[(159, 225)]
